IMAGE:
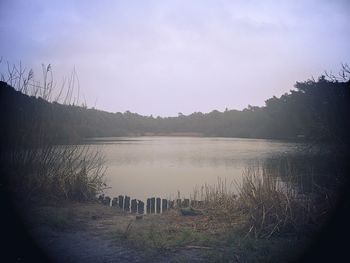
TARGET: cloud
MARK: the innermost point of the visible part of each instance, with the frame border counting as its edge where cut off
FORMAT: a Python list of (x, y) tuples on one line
[(162, 57)]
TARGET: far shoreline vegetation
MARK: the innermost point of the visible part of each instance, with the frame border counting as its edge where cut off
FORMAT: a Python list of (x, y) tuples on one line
[(43, 164), (313, 111)]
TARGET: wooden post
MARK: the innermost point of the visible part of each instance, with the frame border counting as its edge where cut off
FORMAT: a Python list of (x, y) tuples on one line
[(121, 201), (178, 203), (127, 203), (134, 206), (153, 205), (186, 203), (140, 207), (164, 205), (107, 201), (115, 202), (148, 206), (158, 205), (171, 204)]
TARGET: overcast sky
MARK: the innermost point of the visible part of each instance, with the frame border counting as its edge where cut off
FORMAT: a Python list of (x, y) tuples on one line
[(164, 57)]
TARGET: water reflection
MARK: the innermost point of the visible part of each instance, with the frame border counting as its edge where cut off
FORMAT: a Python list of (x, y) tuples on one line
[(160, 166), (309, 173)]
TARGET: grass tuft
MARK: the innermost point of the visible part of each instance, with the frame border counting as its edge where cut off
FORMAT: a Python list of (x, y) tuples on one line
[(267, 202)]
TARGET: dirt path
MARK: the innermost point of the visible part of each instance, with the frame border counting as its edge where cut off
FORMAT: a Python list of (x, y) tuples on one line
[(94, 233), (86, 246)]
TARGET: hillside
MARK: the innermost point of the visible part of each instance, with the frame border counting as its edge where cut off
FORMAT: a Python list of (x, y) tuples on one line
[(315, 110)]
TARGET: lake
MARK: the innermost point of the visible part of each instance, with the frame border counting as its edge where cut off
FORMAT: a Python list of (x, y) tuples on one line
[(143, 167)]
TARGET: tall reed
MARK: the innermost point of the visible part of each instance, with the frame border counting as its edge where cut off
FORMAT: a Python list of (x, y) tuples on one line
[(54, 172), (261, 204), (33, 164)]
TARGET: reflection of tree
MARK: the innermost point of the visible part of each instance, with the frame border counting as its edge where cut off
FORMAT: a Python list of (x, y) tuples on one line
[(308, 173)]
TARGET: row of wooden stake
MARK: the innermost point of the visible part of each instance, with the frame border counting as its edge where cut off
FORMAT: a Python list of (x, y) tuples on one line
[(155, 205)]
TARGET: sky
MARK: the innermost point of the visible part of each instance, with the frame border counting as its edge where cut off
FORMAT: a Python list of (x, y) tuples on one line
[(165, 57)]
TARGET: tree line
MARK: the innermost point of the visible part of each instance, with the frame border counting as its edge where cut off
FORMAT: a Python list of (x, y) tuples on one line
[(315, 110)]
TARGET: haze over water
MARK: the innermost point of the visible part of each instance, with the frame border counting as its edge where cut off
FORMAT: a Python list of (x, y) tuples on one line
[(143, 167)]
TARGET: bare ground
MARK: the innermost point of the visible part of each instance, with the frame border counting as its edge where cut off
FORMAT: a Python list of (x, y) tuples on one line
[(91, 232), (95, 233)]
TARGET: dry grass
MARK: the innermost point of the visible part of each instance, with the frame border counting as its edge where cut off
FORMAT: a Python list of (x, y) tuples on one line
[(55, 172), (170, 234), (262, 205), (270, 205), (32, 164)]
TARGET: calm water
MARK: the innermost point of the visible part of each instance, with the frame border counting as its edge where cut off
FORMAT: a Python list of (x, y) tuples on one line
[(142, 167)]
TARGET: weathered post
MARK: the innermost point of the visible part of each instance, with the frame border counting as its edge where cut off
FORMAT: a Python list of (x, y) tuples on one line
[(134, 206), (158, 200), (171, 204), (164, 205), (148, 206), (115, 202), (127, 203), (140, 207), (186, 203), (200, 204), (101, 197), (121, 201), (153, 205), (178, 203), (107, 201)]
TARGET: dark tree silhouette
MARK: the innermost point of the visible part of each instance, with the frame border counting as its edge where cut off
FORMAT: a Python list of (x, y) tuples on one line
[(315, 110)]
